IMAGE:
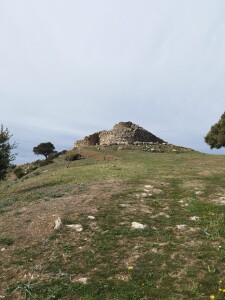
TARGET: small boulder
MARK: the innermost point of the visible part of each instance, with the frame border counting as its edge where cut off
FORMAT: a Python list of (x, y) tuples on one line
[(199, 193), (181, 226), (58, 223), (82, 280), (136, 225), (76, 227), (194, 218)]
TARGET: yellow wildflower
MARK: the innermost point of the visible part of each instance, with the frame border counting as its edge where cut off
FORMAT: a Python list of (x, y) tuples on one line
[(130, 268), (212, 297)]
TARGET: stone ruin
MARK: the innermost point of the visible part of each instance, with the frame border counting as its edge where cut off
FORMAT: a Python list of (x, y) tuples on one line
[(123, 133)]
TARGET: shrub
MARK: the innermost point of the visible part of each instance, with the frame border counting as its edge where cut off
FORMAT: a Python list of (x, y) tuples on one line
[(53, 155), (62, 152), (19, 172), (73, 157), (45, 162)]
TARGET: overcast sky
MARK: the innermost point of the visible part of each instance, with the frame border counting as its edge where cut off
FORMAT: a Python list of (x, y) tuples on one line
[(70, 68)]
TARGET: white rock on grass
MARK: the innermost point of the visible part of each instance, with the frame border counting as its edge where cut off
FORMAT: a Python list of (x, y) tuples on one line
[(83, 280), (181, 226), (123, 205), (76, 227), (58, 223), (144, 195), (194, 218), (91, 217), (148, 186), (199, 193), (222, 200), (136, 225)]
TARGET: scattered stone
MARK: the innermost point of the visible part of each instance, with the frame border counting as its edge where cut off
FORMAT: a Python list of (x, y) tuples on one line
[(76, 227), (156, 191), (162, 214), (181, 226), (148, 186), (58, 223), (145, 190), (144, 194), (194, 218), (199, 193), (136, 225), (91, 217), (123, 205), (3, 249), (222, 201), (154, 250), (83, 280)]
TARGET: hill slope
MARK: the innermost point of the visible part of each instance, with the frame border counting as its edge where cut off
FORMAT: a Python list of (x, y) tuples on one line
[(177, 253)]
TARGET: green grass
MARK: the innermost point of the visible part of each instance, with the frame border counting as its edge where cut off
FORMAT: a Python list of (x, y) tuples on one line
[(161, 261)]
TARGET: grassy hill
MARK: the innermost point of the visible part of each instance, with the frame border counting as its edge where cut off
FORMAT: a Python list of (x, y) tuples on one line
[(179, 253)]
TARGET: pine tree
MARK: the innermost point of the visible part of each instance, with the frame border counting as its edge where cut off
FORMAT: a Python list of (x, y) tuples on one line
[(6, 157)]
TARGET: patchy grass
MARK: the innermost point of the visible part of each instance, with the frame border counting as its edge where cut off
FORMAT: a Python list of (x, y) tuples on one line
[(179, 254)]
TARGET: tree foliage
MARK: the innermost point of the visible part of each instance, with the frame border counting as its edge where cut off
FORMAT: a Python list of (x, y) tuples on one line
[(216, 136), (44, 149), (6, 157)]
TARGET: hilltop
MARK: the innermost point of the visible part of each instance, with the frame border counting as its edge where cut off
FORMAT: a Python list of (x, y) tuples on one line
[(127, 224)]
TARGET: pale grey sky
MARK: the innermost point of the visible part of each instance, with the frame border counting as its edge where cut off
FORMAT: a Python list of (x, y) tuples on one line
[(69, 68)]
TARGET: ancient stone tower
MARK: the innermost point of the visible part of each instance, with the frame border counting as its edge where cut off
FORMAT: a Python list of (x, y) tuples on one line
[(122, 133)]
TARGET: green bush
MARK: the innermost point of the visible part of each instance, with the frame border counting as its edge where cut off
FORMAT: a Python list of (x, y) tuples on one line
[(19, 172), (73, 157), (62, 152), (45, 162)]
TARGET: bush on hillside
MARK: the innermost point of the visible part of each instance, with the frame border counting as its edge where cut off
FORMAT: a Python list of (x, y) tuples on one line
[(19, 172), (73, 157), (45, 162)]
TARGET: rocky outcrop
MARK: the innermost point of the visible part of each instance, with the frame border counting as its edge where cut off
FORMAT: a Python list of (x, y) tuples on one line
[(122, 133)]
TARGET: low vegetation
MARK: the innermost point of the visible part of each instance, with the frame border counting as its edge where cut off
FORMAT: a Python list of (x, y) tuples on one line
[(179, 252)]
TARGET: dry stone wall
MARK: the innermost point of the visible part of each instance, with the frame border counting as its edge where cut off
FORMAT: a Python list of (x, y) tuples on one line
[(122, 133)]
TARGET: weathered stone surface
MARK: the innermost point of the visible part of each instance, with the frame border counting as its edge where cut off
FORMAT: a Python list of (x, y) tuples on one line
[(122, 133), (58, 223)]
